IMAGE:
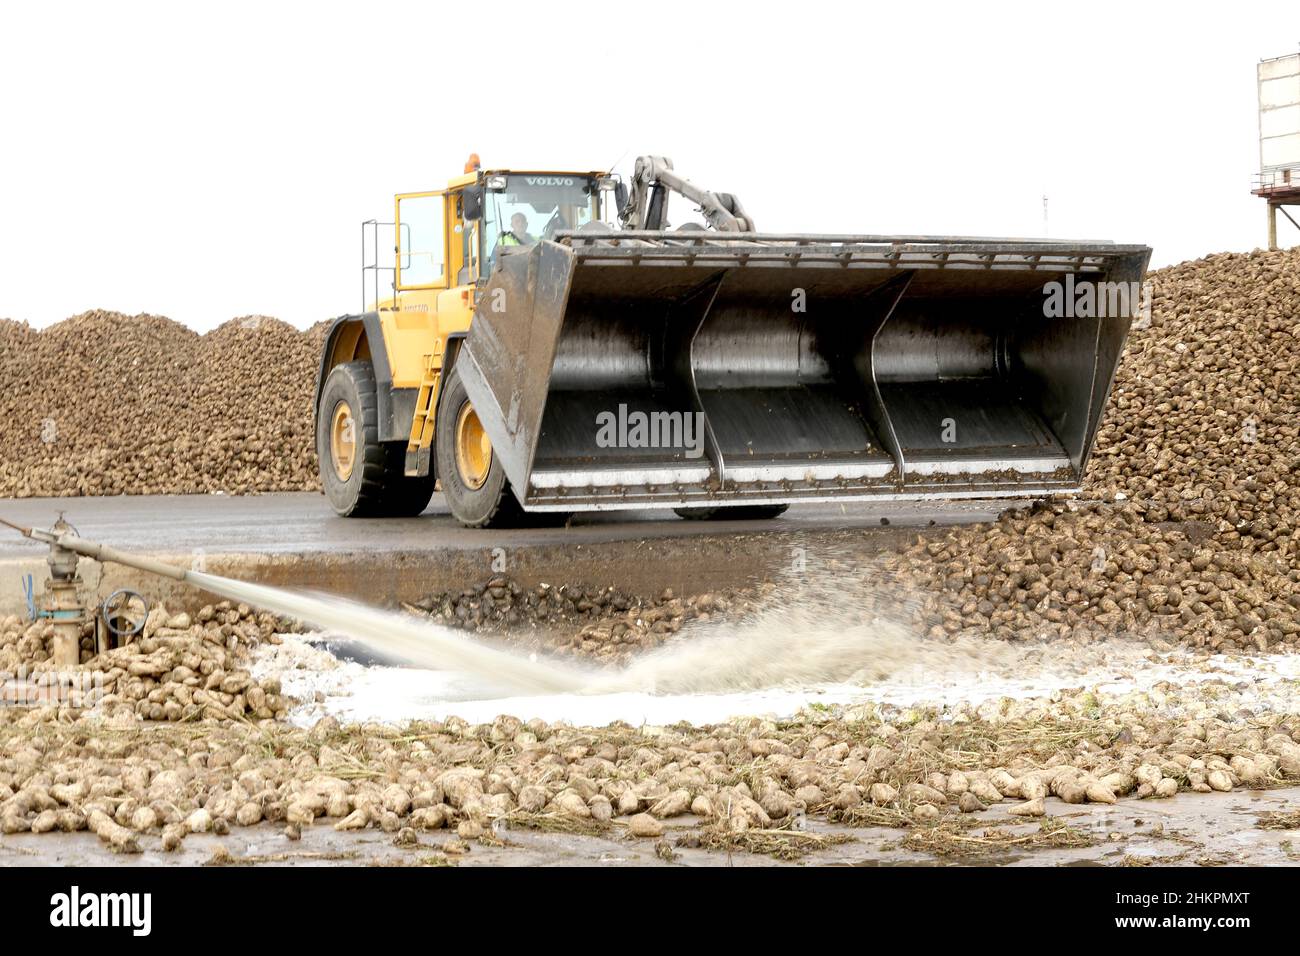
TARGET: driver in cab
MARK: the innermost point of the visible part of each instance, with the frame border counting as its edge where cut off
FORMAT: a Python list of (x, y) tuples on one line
[(518, 234)]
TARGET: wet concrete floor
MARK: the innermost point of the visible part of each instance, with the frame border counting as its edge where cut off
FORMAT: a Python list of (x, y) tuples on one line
[(303, 521)]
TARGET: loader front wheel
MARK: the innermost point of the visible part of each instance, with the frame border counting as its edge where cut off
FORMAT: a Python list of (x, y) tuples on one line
[(362, 476), (473, 481), (732, 513)]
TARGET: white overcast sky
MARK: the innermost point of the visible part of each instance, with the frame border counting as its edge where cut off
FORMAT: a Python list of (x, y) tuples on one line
[(206, 162)]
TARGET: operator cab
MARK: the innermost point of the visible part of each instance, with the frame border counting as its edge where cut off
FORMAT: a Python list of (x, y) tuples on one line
[(516, 209), (450, 238)]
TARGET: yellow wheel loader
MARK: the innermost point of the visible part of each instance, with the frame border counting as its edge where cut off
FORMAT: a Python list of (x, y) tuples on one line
[(550, 344)]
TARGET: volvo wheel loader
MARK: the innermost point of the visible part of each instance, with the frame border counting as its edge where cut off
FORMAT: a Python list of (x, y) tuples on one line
[(550, 344)]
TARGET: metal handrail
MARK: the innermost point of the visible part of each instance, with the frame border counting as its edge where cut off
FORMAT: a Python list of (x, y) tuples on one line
[(374, 267), (1272, 178)]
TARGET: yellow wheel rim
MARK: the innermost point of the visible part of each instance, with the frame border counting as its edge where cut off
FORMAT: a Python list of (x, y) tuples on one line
[(473, 449), (343, 441)]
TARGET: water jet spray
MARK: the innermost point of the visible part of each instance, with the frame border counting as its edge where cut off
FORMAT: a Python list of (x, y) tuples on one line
[(397, 638)]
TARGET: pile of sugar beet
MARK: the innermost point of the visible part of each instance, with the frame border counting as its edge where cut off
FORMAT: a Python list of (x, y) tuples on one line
[(141, 786), (175, 669), (109, 404), (606, 625), (188, 739), (1196, 494)]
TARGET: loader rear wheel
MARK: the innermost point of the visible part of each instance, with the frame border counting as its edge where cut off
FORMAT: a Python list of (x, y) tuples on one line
[(732, 513), (473, 481), (362, 476)]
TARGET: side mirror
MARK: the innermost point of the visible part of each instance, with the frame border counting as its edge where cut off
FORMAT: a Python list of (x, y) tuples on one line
[(472, 203), (620, 196)]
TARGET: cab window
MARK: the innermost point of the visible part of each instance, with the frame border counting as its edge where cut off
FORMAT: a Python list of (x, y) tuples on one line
[(522, 208), (420, 236)]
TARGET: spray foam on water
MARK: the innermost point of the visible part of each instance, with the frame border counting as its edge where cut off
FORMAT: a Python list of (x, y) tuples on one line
[(797, 642), (840, 636), (837, 630), (843, 631)]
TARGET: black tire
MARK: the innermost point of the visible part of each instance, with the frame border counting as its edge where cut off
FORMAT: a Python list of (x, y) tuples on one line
[(492, 504), (376, 486), (732, 513)]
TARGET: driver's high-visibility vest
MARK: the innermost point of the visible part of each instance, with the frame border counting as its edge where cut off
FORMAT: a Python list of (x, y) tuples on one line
[(508, 238)]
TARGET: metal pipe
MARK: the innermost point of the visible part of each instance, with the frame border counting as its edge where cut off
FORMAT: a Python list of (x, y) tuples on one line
[(101, 552)]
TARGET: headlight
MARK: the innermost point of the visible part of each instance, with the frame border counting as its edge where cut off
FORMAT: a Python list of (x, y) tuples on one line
[(607, 183), (496, 183)]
